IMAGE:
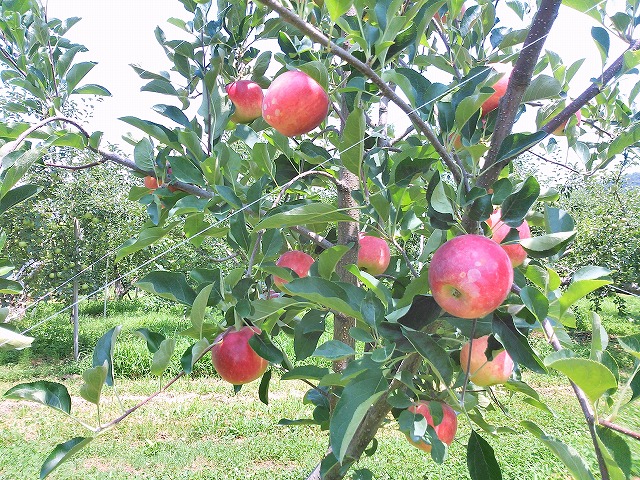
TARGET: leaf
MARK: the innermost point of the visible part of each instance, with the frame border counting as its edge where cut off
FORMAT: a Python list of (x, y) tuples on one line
[(515, 206), (575, 464), (352, 142), (103, 351), (536, 302), (199, 308), (481, 461), (76, 73), (173, 113), (631, 344), (17, 195), (436, 356), (94, 379), (153, 339), (62, 453), (547, 245), (334, 350), (307, 333), (541, 88), (192, 355), (328, 260), (51, 394), (263, 390), (517, 143), (337, 8), (516, 343), (616, 452), (265, 307), (305, 372), (592, 377), (153, 129), (623, 141), (169, 285), (162, 356), (338, 296), (92, 89), (601, 38), (262, 345), (354, 403), (146, 237), (10, 340), (585, 281), (160, 85), (304, 214)]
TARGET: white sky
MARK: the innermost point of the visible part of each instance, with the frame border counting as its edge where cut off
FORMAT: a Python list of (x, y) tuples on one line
[(120, 32)]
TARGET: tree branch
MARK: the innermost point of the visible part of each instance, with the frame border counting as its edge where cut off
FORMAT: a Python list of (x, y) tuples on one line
[(620, 428), (319, 37)]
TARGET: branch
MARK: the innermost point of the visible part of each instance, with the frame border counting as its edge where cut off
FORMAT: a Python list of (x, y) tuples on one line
[(518, 83), (619, 428), (319, 37), (75, 167)]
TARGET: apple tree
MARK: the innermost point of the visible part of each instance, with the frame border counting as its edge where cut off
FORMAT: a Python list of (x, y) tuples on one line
[(392, 119)]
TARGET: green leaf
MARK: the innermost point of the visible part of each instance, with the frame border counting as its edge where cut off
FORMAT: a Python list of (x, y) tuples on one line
[(17, 195), (103, 351), (263, 390), (436, 356), (264, 308), (328, 260), (631, 344), (91, 89), (76, 73), (592, 377), (338, 296), (62, 453), (51, 394), (334, 350), (162, 356), (517, 143), (535, 301), (144, 155), (515, 206), (94, 379), (616, 453), (481, 461), (22, 162), (307, 333), (575, 464), (516, 343), (199, 308), (623, 141), (173, 113), (170, 285), (153, 339), (192, 355), (585, 281), (337, 8), (541, 88), (352, 142), (306, 372), (262, 345), (145, 238), (302, 215), (153, 129), (159, 85), (547, 245), (601, 37), (354, 403), (10, 340)]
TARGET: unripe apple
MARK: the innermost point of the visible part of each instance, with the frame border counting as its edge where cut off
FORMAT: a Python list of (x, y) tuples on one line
[(234, 359), (247, 97), (57, 250), (500, 88), (445, 429), (297, 261), (373, 254), (561, 130), (482, 371), (52, 275), (295, 103), (500, 230), (22, 244), (470, 276)]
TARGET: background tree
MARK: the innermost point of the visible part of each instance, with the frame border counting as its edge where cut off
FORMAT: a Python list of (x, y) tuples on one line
[(393, 347)]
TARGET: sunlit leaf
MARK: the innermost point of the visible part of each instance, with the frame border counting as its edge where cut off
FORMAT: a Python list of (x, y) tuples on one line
[(51, 394), (62, 453)]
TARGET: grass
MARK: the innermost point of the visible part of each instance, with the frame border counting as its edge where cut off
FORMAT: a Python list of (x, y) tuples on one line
[(201, 429)]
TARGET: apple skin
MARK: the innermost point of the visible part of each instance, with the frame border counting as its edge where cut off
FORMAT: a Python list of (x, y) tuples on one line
[(151, 183), (247, 97), (500, 230), (470, 276), (295, 103), (446, 429), (485, 372), (561, 129), (297, 261), (234, 359), (373, 254), (500, 88)]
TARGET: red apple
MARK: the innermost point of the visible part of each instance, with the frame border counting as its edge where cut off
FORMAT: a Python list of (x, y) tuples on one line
[(500, 230), (470, 276), (482, 371), (295, 103), (297, 261), (373, 254), (151, 182), (247, 97), (500, 88), (561, 129), (446, 429), (234, 359)]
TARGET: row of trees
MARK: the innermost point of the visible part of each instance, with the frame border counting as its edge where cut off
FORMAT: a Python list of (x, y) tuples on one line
[(264, 192)]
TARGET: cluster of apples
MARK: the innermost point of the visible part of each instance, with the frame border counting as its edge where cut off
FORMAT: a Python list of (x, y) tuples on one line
[(232, 356), (293, 104)]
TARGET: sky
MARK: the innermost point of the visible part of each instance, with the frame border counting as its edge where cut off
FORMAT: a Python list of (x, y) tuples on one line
[(121, 32)]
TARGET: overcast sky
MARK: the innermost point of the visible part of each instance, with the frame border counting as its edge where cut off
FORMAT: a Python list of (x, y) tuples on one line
[(121, 32)]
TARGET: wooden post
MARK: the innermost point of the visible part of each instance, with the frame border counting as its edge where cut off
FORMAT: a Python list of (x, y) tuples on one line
[(74, 312)]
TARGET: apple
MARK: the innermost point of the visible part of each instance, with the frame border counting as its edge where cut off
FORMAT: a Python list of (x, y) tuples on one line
[(482, 371), (561, 129), (373, 254), (151, 182), (295, 103), (470, 276), (446, 429), (22, 244), (500, 88), (234, 359), (500, 230), (246, 96), (297, 261)]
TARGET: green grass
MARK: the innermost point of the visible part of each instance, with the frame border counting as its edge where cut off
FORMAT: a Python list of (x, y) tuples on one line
[(201, 429)]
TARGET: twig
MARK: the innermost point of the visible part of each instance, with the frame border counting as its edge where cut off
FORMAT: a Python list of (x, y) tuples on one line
[(406, 258), (573, 170), (620, 428), (75, 167)]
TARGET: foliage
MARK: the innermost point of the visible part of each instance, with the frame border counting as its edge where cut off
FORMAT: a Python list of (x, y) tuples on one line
[(259, 191)]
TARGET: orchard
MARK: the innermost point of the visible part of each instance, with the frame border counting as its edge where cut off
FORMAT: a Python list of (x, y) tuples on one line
[(355, 159)]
